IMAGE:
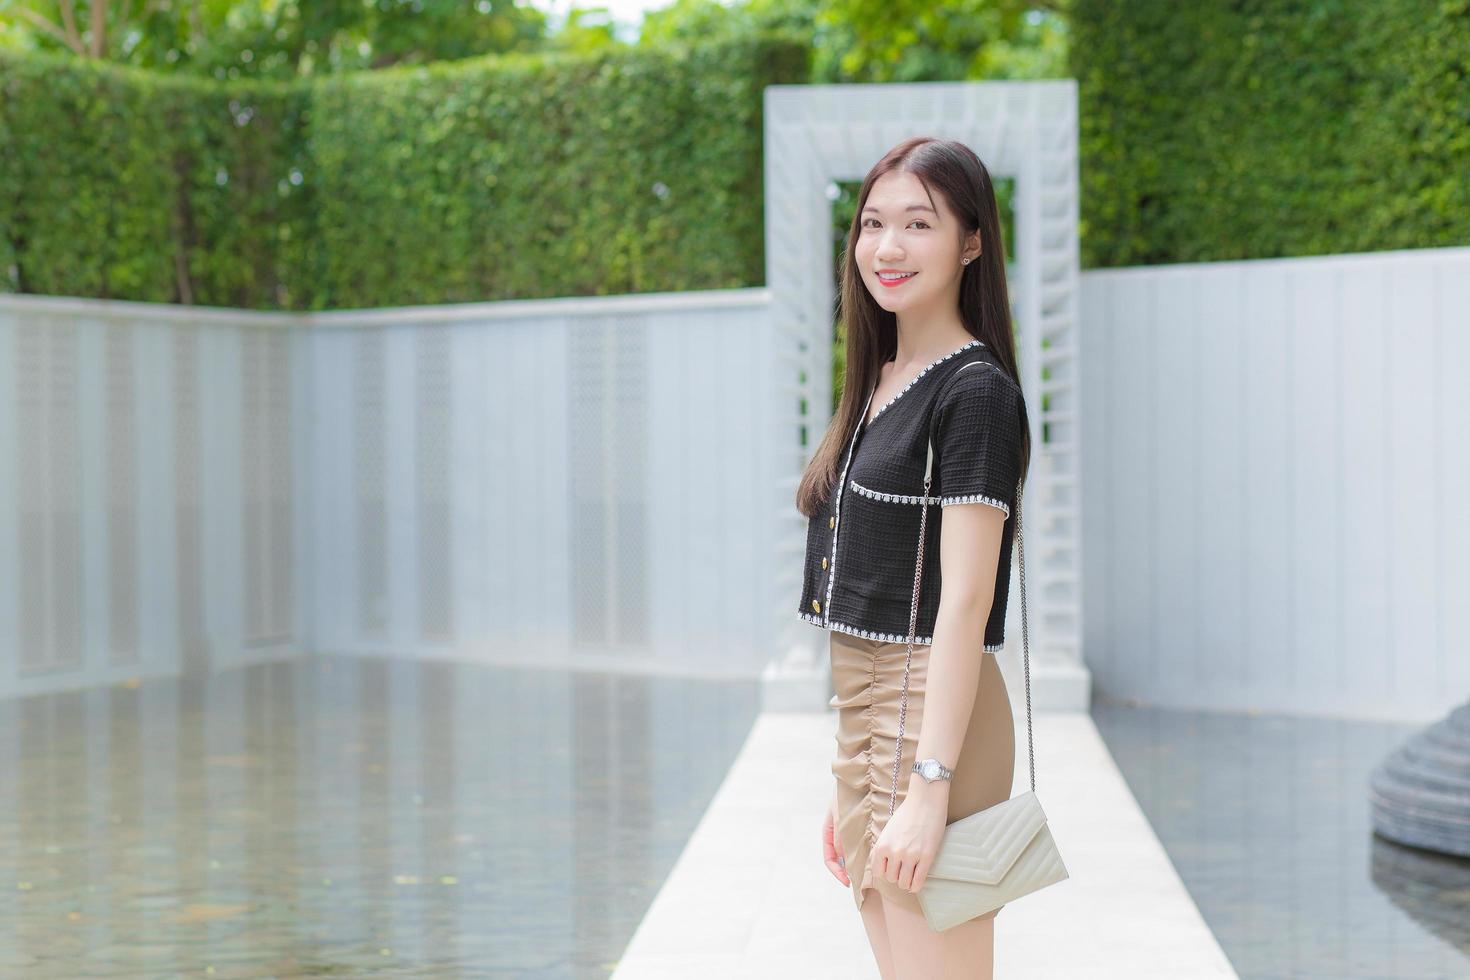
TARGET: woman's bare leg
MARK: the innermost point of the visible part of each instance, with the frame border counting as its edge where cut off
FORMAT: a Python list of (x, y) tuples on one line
[(983, 779), (962, 952), (874, 921)]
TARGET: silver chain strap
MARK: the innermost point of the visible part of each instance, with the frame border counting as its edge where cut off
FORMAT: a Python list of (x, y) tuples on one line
[(903, 703)]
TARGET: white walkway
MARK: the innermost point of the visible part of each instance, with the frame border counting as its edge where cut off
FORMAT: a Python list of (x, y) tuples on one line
[(750, 897)]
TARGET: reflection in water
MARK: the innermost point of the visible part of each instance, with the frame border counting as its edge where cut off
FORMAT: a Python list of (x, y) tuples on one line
[(1428, 886), (1266, 819), (350, 817)]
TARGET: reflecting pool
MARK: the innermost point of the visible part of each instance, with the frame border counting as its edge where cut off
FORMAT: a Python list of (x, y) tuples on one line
[(352, 817), (1266, 819)]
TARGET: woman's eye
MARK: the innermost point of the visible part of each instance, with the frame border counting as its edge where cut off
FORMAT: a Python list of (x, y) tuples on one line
[(916, 221)]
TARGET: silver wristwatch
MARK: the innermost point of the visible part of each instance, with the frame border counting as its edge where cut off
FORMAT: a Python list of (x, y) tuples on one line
[(932, 769)]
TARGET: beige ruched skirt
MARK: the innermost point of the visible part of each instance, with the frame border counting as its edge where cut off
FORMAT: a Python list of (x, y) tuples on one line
[(867, 676)]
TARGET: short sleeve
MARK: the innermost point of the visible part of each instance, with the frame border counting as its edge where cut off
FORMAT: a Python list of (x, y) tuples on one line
[(978, 431)]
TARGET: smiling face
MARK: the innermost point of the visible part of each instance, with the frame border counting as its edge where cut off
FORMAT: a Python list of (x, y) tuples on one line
[(905, 230)]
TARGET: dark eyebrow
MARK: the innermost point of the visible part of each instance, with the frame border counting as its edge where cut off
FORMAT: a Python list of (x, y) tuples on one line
[(911, 207)]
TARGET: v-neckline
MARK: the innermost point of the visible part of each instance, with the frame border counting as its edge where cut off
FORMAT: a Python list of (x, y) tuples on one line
[(937, 361)]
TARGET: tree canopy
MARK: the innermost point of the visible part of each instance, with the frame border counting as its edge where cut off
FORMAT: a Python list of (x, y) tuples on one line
[(852, 40)]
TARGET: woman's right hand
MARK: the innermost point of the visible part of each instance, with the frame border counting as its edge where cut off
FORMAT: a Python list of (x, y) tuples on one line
[(832, 846)]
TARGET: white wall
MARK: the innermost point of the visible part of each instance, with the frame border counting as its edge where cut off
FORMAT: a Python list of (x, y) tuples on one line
[(152, 482), (577, 481), (1276, 483)]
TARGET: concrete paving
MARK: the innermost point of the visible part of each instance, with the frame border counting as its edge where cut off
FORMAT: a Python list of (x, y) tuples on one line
[(750, 897)]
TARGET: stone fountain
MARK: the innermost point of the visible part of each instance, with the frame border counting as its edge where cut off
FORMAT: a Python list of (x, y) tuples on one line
[(1420, 793)]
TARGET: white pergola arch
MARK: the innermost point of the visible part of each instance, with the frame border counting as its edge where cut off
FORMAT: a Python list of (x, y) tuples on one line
[(817, 134)]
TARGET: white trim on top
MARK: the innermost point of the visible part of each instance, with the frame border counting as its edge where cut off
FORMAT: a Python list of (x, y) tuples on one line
[(816, 620), (931, 364), (976, 498), (907, 498), (837, 505), (892, 498)]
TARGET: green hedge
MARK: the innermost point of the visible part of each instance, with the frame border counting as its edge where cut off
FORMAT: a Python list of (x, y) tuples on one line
[(518, 176), (1265, 128)]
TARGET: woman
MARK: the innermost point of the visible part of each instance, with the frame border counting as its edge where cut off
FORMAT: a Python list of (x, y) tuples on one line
[(931, 362)]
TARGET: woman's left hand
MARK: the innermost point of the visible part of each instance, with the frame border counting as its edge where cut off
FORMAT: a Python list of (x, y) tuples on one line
[(906, 848)]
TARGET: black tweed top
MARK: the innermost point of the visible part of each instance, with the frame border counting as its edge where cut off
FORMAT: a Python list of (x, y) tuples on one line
[(860, 549)]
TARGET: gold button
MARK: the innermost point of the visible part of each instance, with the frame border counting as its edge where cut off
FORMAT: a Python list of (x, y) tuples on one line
[(824, 563), (832, 521), (816, 606)]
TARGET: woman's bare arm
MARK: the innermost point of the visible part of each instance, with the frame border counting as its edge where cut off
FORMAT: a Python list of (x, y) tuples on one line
[(969, 553)]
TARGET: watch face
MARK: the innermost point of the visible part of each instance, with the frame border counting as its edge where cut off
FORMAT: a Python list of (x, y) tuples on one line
[(930, 769)]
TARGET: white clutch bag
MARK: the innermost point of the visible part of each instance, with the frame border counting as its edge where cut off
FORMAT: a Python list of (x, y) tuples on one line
[(1005, 851), (988, 859)]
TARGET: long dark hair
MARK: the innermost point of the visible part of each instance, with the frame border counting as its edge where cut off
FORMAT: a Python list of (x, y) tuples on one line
[(953, 170)]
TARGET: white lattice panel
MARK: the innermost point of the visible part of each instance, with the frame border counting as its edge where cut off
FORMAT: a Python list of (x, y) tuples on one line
[(816, 134)]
